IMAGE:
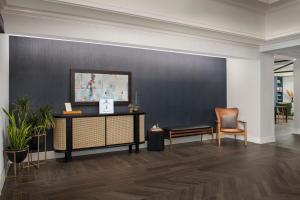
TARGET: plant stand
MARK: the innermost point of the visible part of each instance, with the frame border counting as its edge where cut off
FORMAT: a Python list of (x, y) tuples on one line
[(15, 161), (39, 161)]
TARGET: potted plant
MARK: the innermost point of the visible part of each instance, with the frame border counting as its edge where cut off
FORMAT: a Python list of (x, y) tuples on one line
[(18, 135), (21, 108), (42, 120)]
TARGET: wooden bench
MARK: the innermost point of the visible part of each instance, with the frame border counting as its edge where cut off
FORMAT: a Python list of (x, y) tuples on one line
[(181, 131)]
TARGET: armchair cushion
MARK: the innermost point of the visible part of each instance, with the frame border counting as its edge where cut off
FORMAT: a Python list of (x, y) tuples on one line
[(229, 121), (232, 130)]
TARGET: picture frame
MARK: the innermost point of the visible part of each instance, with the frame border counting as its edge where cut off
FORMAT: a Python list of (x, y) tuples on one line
[(106, 106), (89, 86), (68, 106)]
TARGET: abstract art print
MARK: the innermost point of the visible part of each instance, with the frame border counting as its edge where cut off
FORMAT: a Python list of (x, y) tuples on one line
[(89, 86)]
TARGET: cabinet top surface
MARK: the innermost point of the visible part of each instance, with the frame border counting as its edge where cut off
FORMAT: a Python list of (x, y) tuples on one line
[(97, 114)]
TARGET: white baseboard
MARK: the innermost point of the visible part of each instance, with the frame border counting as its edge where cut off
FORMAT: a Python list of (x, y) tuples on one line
[(256, 140), (2, 179), (54, 155), (268, 139), (297, 131)]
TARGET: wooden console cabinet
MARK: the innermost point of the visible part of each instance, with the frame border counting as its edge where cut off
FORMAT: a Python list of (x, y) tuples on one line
[(88, 131)]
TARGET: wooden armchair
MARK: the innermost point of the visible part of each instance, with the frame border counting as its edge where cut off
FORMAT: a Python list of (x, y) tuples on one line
[(228, 124)]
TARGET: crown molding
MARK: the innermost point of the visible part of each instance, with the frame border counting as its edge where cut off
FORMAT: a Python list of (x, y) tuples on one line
[(174, 30), (92, 16), (126, 11), (281, 43), (284, 34)]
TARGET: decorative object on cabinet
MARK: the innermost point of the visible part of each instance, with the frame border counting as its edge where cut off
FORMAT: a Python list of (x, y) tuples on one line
[(155, 128), (106, 106), (68, 106), (69, 110), (181, 131), (88, 86), (73, 112), (130, 108), (133, 108), (89, 131), (230, 125)]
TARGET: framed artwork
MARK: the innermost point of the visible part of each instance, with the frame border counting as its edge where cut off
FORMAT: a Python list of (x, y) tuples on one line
[(89, 86)]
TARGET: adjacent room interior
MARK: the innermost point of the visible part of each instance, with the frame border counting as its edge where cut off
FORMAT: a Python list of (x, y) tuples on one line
[(143, 99)]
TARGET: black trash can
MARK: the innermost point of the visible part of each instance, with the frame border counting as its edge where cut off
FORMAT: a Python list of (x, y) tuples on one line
[(156, 140)]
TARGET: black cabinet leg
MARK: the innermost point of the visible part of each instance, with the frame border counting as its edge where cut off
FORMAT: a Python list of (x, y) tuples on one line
[(130, 148), (137, 148), (68, 156)]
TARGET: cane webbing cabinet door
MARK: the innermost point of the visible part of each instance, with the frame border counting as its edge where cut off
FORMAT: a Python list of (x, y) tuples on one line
[(119, 129), (88, 132), (59, 134), (142, 128)]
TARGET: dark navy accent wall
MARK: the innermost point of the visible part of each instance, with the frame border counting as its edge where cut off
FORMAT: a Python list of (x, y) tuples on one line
[(173, 88)]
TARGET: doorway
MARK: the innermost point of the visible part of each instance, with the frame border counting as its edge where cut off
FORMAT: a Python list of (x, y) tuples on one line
[(284, 101)]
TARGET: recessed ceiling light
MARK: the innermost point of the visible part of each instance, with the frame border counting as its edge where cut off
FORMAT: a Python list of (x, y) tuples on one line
[(269, 1)]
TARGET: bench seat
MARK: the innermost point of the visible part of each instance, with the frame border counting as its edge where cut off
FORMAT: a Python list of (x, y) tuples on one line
[(181, 131)]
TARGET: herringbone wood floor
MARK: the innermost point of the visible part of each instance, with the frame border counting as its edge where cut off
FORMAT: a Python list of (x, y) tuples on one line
[(187, 171)]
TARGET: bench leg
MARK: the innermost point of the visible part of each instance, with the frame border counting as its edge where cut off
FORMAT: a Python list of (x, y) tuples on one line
[(201, 137), (245, 139), (170, 138)]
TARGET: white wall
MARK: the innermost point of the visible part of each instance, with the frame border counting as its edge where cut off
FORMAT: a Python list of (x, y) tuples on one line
[(297, 95), (250, 88), (243, 91), (4, 78), (267, 98)]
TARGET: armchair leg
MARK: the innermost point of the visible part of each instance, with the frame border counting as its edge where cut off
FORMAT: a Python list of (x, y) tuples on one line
[(246, 142), (235, 138), (219, 139)]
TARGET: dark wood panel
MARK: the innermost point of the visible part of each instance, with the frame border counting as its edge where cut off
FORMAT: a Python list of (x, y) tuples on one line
[(187, 171)]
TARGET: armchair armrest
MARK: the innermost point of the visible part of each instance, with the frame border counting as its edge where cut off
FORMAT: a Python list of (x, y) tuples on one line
[(243, 123), (218, 126)]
